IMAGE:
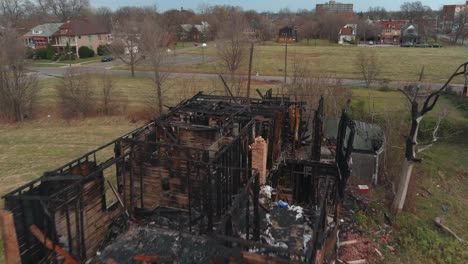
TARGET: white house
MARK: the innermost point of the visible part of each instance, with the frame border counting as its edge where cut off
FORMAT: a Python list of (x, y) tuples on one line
[(347, 34)]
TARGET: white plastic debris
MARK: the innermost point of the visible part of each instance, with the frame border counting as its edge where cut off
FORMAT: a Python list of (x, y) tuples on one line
[(254, 250), (267, 217), (266, 191), (299, 211), (307, 238)]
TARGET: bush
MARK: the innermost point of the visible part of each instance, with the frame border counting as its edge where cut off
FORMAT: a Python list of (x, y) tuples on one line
[(65, 57), (50, 53), (29, 53), (103, 50), (41, 53), (85, 52)]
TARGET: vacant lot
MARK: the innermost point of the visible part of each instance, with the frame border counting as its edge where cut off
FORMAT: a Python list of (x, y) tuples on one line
[(32, 148), (137, 92), (396, 64)]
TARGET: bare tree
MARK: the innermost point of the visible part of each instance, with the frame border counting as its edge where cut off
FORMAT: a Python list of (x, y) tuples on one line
[(233, 47), (127, 45), (65, 10), (417, 114), (414, 11), (309, 29), (307, 85), (12, 11), (112, 101), (154, 42), (103, 16), (377, 13), (75, 94), (18, 88), (368, 66)]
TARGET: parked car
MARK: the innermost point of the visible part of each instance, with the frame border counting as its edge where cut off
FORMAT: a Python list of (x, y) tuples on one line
[(407, 45), (107, 58), (422, 45), (436, 45)]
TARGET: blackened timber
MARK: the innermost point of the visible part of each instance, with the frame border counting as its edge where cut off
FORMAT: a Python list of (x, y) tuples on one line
[(82, 231), (166, 130), (256, 192)]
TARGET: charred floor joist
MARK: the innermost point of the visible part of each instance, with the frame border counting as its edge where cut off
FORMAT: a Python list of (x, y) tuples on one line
[(200, 173)]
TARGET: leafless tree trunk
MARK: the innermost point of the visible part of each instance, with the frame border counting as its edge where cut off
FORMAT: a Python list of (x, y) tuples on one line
[(417, 115), (111, 100), (127, 44), (368, 66), (18, 88), (154, 42), (233, 46)]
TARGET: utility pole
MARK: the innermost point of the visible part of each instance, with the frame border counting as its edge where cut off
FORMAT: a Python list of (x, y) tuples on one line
[(250, 67), (285, 63)]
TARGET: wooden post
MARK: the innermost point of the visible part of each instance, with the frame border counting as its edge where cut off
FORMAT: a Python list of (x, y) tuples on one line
[(51, 245), (10, 241)]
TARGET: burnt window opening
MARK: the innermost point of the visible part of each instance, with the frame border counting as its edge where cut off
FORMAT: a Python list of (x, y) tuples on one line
[(165, 184), (110, 185)]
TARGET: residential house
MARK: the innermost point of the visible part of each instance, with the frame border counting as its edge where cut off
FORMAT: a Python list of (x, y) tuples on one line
[(190, 32), (391, 31), (450, 13), (410, 33), (79, 33), (334, 7), (347, 34), (288, 34), (41, 36)]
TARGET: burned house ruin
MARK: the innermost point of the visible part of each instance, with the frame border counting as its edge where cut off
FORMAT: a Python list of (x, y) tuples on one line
[(215, 180)]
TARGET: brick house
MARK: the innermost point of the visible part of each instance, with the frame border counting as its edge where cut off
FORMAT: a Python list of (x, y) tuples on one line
[(78, 33), (450, 13), (287, 34), (391, 31), (197, 32), (41, 36)]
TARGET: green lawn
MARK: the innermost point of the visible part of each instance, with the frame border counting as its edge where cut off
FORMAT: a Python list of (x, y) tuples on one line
[(49, 63), (396, 64)]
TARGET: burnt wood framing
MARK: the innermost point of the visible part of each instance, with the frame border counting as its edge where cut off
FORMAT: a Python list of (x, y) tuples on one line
[(200, 159)]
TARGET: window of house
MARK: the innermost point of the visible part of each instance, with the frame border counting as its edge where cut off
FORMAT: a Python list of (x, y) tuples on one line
[(90, 38), (99, 37), (79, 37)]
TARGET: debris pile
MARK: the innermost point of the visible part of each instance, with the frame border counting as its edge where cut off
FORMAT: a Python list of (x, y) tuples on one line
[(358, 244)]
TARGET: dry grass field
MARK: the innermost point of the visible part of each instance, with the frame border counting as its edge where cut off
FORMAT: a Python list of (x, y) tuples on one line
[(396, 64)]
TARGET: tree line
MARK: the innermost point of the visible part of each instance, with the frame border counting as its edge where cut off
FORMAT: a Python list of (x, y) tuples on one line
[(27, 14)]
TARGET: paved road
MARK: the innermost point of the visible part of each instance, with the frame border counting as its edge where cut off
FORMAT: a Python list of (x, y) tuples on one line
[(57, 72)]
